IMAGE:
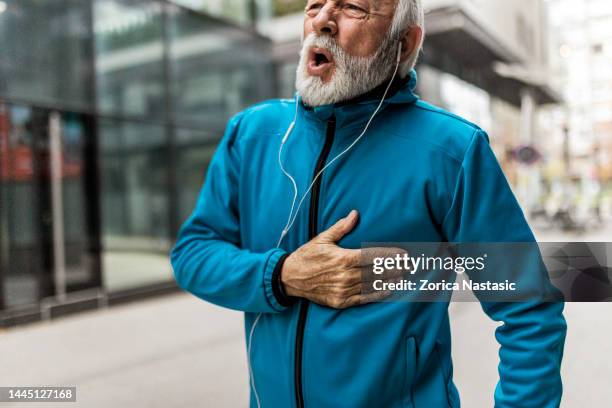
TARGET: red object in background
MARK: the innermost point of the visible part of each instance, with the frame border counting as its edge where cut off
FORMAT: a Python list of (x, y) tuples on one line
[(15, 163), (23, 167), (4, 144)]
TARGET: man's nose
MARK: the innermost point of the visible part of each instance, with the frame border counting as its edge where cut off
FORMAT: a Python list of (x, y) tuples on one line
[(325, 21)]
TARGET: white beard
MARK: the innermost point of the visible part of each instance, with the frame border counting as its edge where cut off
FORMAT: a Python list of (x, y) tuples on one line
[(352, 75)]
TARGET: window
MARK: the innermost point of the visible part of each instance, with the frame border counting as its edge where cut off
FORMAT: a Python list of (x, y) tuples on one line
[(45, 52), (216, 70), (129, 58), (135, 227)]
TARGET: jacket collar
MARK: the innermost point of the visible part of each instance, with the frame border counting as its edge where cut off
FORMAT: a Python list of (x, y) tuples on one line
[(358, 110)]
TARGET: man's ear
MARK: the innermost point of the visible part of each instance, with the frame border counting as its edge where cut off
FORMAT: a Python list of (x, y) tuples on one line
[(411, 40)]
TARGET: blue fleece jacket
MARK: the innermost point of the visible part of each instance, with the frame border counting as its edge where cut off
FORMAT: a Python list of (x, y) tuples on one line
[(420, 174)]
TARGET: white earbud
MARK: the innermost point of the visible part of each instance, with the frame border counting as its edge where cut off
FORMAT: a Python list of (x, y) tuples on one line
[(291, 126)]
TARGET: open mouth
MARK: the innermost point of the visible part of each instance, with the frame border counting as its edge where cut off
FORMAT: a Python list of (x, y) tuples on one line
[(320, 58), (320, 61)]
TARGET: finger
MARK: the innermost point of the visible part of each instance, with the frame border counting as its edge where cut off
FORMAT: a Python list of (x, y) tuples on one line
[(361, 299), (343, 302), (385, 287), (340, 290), (384, 263), (334, 301), (367, 275), (369, 255), (373, 297), (340, 228)]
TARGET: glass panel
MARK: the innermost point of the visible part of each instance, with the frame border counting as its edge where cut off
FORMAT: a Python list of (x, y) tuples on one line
[(80, 255), (45, 52), (239, 11), (129, 57), (26, 222), (21, 257), (216, 69), (134, 174), (4, 174)]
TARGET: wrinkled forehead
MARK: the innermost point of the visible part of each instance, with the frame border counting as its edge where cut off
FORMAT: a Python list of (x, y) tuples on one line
[(373, 4), (376, 8)]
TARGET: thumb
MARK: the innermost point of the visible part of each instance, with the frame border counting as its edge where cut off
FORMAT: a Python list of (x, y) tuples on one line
[(340, 228)]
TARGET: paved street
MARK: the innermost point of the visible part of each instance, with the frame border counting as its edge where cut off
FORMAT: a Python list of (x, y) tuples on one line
[(177, 351), (174, 351), (587, 365)]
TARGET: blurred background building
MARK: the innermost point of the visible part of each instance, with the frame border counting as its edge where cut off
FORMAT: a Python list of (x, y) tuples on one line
[(111, 109), (578, 171), (109, 113)]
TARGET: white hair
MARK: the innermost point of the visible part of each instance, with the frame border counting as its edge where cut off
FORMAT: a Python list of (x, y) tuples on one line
[(408, 13)]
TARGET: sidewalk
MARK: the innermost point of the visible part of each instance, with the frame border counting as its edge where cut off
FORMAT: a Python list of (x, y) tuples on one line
[(587, 363), (177, 351), (173, 351)]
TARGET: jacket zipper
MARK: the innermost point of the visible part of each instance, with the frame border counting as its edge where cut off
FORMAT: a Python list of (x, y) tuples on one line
[(313, 217)]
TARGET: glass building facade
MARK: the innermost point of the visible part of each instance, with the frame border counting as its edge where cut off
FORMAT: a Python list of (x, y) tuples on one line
[(110, 111)]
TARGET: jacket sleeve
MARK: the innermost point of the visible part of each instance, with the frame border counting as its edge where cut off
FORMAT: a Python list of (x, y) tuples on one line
[(532, 335), (207, 259)]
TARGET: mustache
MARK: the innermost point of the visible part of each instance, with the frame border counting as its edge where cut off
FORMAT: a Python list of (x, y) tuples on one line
[(353, 75), (324, 41), (339, 53)]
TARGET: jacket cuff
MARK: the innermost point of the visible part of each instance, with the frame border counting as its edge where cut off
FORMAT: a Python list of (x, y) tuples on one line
[(272, 284), (277, 285)]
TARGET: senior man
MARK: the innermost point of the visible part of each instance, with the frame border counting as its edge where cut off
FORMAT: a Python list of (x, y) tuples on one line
[(296, 187)]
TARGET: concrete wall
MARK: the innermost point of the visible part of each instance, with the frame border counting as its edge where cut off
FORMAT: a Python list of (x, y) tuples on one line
[(519, 25)]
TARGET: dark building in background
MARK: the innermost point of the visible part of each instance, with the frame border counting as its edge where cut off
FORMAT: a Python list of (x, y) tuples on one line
[(109, 113)]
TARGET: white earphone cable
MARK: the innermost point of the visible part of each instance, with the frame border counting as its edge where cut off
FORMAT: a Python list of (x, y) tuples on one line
[(249, 360), (295, 193), (286, 173), (293, 217)]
